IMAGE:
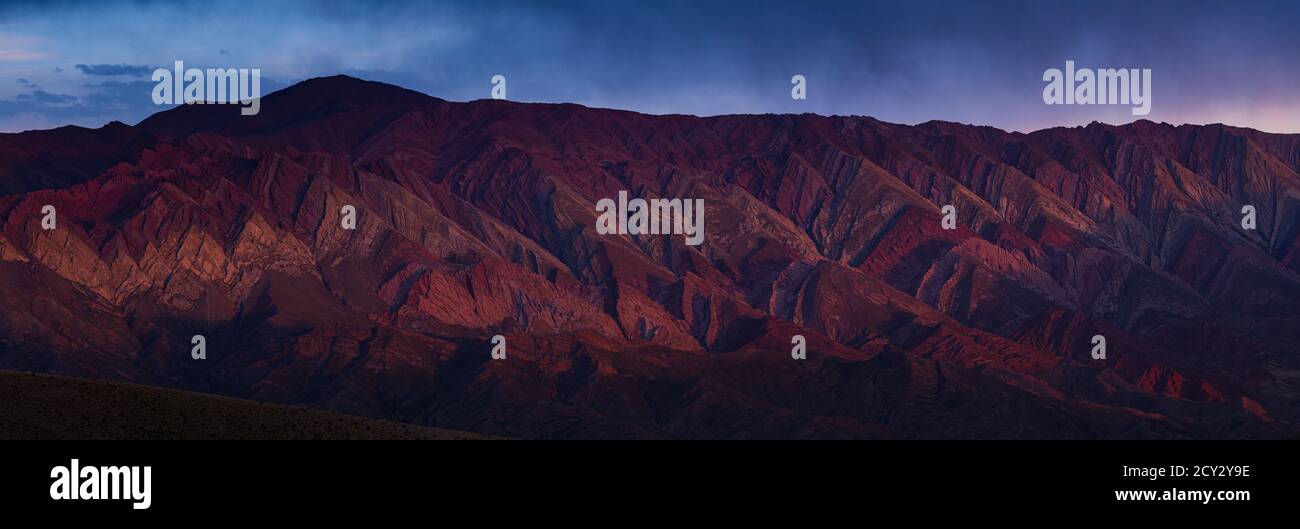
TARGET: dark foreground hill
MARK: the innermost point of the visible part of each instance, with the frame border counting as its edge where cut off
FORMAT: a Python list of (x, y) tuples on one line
[(476, 219), (41, 406)]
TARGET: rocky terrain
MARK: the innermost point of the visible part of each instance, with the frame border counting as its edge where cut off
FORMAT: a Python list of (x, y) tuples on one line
[(476, 219)]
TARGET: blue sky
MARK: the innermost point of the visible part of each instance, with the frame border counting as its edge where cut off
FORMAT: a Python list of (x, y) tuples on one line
[(87, 63)]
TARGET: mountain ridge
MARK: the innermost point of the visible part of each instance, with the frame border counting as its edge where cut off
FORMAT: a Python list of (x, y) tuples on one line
[(477, 219)]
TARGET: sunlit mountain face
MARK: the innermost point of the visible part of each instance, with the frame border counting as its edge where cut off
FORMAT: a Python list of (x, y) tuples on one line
[(364, 248)]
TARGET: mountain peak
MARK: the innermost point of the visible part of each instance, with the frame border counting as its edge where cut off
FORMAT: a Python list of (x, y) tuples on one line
[(337, 97), (479, 219), (346, 86)]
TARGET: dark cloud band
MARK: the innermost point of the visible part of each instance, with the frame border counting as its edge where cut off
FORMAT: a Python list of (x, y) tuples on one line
[(115, 69)]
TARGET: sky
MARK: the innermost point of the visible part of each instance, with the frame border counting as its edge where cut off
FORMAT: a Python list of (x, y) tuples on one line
[(980, 62)]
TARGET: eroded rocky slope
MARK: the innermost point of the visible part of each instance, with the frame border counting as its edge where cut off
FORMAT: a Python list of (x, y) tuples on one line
[(478, 219)]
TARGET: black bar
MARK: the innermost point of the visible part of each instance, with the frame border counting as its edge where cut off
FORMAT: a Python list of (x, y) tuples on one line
[(319, 480)]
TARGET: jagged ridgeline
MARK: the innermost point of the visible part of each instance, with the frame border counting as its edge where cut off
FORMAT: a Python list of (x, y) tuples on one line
[(478, 219)]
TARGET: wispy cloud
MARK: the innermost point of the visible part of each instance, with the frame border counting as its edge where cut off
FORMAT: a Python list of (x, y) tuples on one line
[(42, 97), (905, 62), (115, 69), (14, 48)]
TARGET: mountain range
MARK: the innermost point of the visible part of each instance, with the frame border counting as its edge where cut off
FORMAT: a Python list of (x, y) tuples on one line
[(477, 219)]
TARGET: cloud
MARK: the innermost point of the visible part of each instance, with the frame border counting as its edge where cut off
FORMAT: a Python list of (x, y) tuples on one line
[(131, 98), (42, 110), (904, 62), (41, 97), (95, 103), (115, 69), (21, 49)]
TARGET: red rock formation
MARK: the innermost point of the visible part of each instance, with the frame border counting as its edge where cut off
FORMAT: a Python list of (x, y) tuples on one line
[(476, 219)]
